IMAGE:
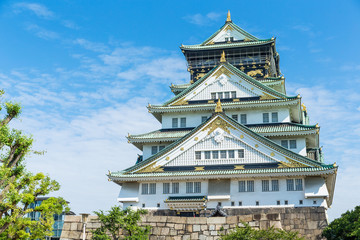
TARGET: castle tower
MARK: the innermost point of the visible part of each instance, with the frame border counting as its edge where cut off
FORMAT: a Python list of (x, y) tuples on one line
[(230, 137)]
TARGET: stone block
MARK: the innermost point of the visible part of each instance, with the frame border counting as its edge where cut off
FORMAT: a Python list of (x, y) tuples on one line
[(173, 232), (213, 233), (232, 220), (156, 231), (74, 235), (160, 224), (312, 225), (170, 225), (196, 220), (241, 225), (73, 226), (226, 226), (196, 228), (212, 227), (165, 231), (177, 238), (204, 227), (66, 226), (273, 216), (176, 219), (181, 232), (179, 226), (202, 237), (246, 218), (72, 218), (254, 224), (216, 220), (189, 228), (207, 233), (186, 237), (264, 224), (194, 236), (276, 224), (218, 227)]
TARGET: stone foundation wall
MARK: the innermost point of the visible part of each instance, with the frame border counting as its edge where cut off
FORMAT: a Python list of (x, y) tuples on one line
[(308, 221)]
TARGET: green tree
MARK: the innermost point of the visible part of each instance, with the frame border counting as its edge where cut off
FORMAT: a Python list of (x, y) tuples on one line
[(248, 233), (19, 187), (121, 224), (345, 227)]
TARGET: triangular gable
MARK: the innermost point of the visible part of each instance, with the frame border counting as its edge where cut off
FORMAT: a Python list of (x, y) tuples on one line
[(227, 78), (228, 30), (220, 126)]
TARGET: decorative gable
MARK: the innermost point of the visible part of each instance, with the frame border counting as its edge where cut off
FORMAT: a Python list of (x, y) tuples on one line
[(220, 133)]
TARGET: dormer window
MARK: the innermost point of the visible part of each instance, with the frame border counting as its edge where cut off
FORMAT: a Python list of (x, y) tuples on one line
[(229, 39)]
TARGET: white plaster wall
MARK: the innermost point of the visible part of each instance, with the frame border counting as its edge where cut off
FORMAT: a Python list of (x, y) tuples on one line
[(300, 144), (193, 119), (229, 33), (248, 199)]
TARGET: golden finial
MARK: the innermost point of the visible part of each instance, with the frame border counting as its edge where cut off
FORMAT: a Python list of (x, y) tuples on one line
[(109, 172), (228, 18), (218, 107), (303, 107), (334, 164), (317, 125), (298, 96), (223, 59)]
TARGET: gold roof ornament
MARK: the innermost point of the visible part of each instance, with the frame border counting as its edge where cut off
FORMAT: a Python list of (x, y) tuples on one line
[(218, 107), (228, 18), (223, 59)]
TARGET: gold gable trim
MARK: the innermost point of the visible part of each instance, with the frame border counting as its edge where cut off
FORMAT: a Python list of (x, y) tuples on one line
[(181, 101), (223, 70), (266, 96), (150, 168), (218, 123)]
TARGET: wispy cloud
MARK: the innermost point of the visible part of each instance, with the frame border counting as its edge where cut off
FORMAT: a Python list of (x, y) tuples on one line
[(42, 32), (36, 8), (92, 46), (200, 19), (350, 67)]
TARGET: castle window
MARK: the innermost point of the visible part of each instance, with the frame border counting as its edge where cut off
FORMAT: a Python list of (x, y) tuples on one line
[(213, 96), (284, 143), (287, 143), (314, 202), (220, 95), (223, 154), (158, 205), (301, 202), (294, 185), (274, 117), (232, 204), (275, 185), (215, 154), (265, 185), (198, 155), (166, 188), (227, 95), (286, 202), (246, 186), (174, 122), (175, 188), (233, 94), (193, 187), (235, 117), (241, 153), (161, 148), (231, 153), (257, 203), (143, 205), (152, 188), (277, 202), (243, 119), (240, 203), (204, 118), (183, 122), (144, 188), (265, 117), (292, 144), (154, 150), (207, 155)]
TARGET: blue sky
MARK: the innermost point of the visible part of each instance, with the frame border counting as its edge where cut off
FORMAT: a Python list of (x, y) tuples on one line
[(85, 70)]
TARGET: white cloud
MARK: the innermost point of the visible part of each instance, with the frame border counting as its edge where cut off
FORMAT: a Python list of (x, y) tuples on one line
[(36, 8), (199, 19), (42, 32), (96, 47)]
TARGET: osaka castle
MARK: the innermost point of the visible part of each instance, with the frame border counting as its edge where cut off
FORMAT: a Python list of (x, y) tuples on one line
[(231, 137)]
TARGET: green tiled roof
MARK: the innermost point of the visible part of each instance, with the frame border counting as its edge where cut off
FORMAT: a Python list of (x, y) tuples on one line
[(259, 128), (227, 45), (186, 199), (181, 86), (239, 73), (225, 105), (324, 168)]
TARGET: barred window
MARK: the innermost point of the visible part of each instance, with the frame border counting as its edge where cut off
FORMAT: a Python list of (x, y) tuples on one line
[(298, 185), (215, 154), (290, 184), (220, 95), (242, 187), (152, 188), (233, 94), (284, 143), (274, 185), (235, 117), (241, 153), (183, 122), (197, 187), (174, 122), (161, 148), (227, 94), (175, 188), (265, 117), (265, 185), (154, 150), (144, 188), (243, 119), (197, 155), (213, 95), (231, 154), (189, 187), (166, 188), (292, 144), (223, 154), (274, 117), (207, 154), (250, 186)]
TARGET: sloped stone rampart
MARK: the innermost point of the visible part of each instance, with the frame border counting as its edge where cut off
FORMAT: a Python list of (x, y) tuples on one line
[(308, 221)]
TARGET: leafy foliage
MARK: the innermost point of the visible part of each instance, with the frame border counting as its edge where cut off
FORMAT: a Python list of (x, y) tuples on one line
[(19, 187), (248, 233), (126, 220), (345, 227)]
